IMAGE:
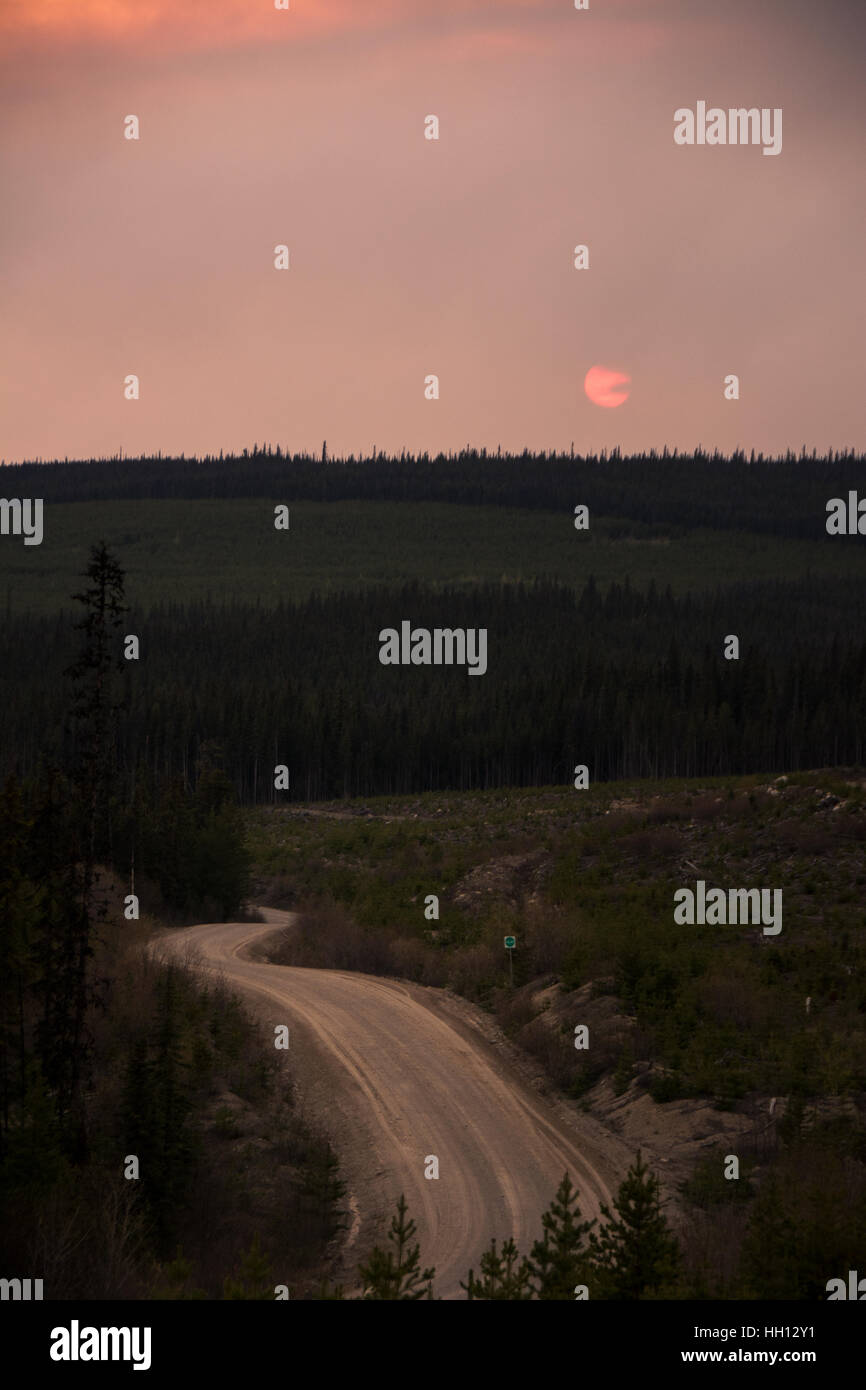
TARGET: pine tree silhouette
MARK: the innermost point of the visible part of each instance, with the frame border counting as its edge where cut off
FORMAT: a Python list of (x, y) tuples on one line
[(397, 1273), (558, 1262), (504, 1275), (635, 1254)]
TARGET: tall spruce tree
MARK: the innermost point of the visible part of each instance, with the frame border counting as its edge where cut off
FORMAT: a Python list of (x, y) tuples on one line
[(96, 698), (397, 1273), (635, 1255), (93, 709), (558, 1262)]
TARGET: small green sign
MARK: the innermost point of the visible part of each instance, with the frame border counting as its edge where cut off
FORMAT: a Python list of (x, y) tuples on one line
[(510, 943)]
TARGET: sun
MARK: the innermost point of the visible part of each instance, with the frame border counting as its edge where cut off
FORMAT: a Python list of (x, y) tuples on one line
[(606, 386)]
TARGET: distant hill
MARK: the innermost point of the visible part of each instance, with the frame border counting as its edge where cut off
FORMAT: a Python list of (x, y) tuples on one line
[(784, 496)]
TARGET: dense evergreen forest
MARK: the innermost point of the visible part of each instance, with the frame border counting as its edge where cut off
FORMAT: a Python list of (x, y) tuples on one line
[(141, 767), (107, 1051), (782, 496), (631, 684), (629, 679)]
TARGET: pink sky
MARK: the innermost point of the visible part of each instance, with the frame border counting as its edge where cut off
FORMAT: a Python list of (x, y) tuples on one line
[(411, 257)]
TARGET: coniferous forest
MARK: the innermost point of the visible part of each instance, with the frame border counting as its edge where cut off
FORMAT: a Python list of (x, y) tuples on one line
[(160, 772), (631, 683), (626, 677), (750, 492)]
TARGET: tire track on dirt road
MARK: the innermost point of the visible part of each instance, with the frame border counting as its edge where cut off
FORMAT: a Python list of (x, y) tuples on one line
[(393, 1078)]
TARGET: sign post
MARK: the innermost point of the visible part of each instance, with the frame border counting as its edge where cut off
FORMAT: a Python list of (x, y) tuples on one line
[(510, 943)]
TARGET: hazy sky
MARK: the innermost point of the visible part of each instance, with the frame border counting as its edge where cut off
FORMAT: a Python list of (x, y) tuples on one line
[(411, 257)]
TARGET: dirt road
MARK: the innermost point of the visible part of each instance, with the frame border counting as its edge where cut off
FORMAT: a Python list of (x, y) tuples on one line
[(394, 1076)]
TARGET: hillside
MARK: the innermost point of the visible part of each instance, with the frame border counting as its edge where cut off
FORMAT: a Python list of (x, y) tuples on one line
[(704, 1040), (228, 552)]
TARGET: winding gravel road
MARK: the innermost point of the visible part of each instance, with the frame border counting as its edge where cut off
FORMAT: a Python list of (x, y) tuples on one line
[(396, 1072)]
